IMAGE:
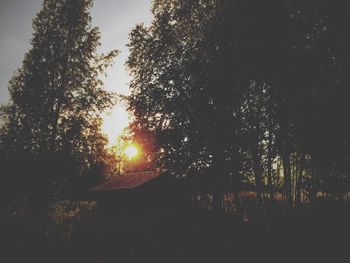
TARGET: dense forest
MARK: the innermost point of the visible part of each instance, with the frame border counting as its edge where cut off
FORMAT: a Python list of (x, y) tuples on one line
[(249, 93), (244, 103)]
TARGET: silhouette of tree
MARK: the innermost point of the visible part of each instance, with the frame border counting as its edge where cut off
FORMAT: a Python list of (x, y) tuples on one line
[(57, 95), (177, 66), (234, 88)]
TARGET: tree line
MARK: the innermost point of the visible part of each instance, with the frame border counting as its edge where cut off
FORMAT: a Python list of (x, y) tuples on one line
[(247, 95), (228, 96)]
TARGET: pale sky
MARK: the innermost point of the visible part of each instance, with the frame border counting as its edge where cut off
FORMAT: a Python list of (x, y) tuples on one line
[(115, 18)]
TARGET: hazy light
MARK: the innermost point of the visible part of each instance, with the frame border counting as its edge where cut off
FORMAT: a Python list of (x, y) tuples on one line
[(114, 122), (131, 151)]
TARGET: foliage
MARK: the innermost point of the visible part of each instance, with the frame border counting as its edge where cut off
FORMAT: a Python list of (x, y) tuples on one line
[(64, 214), (50, 132), (246, 91)]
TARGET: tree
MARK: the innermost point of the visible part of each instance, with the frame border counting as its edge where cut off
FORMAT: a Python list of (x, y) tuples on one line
[(231, 87), (176, 67), (190, 72), (57, 96)]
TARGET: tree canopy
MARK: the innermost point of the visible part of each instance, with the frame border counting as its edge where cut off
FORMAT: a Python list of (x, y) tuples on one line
[(232, 88), (51, 127)]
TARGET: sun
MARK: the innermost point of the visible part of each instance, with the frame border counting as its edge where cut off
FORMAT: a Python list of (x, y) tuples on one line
[(131, 151)]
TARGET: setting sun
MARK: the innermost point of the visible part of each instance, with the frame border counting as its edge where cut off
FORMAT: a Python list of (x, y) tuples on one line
[(131, 151)]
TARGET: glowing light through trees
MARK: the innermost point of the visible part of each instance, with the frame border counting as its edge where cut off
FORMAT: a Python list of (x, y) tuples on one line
[(114, 123), (131, 151)]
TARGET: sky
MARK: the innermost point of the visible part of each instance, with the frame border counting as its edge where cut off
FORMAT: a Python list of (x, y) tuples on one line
[(115, 19)]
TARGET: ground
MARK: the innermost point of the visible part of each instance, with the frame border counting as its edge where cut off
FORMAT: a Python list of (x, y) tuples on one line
[(191, 235)]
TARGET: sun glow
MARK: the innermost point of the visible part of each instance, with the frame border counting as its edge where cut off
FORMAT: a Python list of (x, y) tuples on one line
[(114, 123), (131, 151)]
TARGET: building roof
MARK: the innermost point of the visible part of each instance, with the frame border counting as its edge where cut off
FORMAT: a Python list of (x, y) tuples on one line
[(127, 181)]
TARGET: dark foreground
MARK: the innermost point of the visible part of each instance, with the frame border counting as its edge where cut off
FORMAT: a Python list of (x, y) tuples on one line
[(186, 235)]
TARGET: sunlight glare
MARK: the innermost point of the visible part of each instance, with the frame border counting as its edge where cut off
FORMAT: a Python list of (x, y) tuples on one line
[(131, 151), (114, 122)]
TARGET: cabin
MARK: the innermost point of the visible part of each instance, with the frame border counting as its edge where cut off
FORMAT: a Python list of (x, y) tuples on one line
[(139, 190)]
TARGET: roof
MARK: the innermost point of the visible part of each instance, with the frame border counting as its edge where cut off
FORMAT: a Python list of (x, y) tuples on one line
[(127, 181)]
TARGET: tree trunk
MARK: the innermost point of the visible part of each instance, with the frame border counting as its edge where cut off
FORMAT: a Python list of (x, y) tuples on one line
[(313, 188), (287, 178), (218, 145), (269, 166), (299, 181), (259, 186), (217, 178)]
